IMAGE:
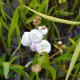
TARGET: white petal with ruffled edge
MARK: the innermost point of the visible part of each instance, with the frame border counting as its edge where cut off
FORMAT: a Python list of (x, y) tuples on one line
[(33, 47), (44, 46), (25, 39), (35, 36), (43, 31)]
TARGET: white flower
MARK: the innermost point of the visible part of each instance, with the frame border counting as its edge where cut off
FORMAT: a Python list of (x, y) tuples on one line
[(36, 36), (25, 39), (44, 46), (43, 29), (33, 46)]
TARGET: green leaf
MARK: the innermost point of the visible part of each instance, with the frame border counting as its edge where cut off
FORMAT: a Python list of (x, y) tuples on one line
[(52, 70), (44, 59), (3, 40), (27, 65), (71, 40), (3, 24), (1, 71), (49, 12), (35, 60), (22, 73), (14, 58), (36, 4), (21, 3), (6, 66), (73, 60), (13, 25), (30, 19), (41, 7), (20, 70), (41, 59), (76, 19), (2, 9), (62, 13), (18, 34), (66, 56), (15, 66), (54, 19), (37, 76)]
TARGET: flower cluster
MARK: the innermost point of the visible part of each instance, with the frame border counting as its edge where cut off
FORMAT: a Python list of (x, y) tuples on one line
[(34, 40)]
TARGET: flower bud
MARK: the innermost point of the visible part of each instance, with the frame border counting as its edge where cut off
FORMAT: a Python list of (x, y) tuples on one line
[(34, 22), (59, 42), (64, 66), (63, 46), (37, 21), (61, 1), (61, 51), (38, 18), (36, 68)]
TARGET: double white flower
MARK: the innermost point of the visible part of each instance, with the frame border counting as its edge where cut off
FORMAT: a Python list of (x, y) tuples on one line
[(36, 36), (33, 36), (34, 40), (43, 46)]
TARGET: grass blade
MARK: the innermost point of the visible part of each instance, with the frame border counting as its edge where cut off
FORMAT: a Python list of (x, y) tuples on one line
[(73, 60)]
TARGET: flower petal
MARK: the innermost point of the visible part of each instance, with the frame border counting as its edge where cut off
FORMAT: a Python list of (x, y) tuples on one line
[(25, 39), (33, 46), (43, 30), (44, 46), (36, 36)]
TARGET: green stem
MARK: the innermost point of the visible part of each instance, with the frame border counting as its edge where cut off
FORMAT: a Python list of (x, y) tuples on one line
[(3, 40), (54, 54), (65, 4), (37, 76), (15, 51), (77, 69), (57, 31), (76, 19), (54, 19), (19, 77), (56, 4), (75, 4)]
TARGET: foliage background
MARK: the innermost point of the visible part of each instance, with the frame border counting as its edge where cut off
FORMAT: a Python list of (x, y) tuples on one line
[(15, 19)]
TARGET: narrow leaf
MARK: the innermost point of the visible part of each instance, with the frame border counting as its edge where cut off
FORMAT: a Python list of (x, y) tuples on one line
[(62, 13), (3, 24), (13, 25), (6, 66), (71, 40), (52, 70), (73, 60)]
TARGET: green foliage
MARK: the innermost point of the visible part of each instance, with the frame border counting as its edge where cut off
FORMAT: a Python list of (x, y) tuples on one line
[(14, 24), (52, 70), (6, 66), (62, 13), (55, 14), (53, 18), (73, 60)]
